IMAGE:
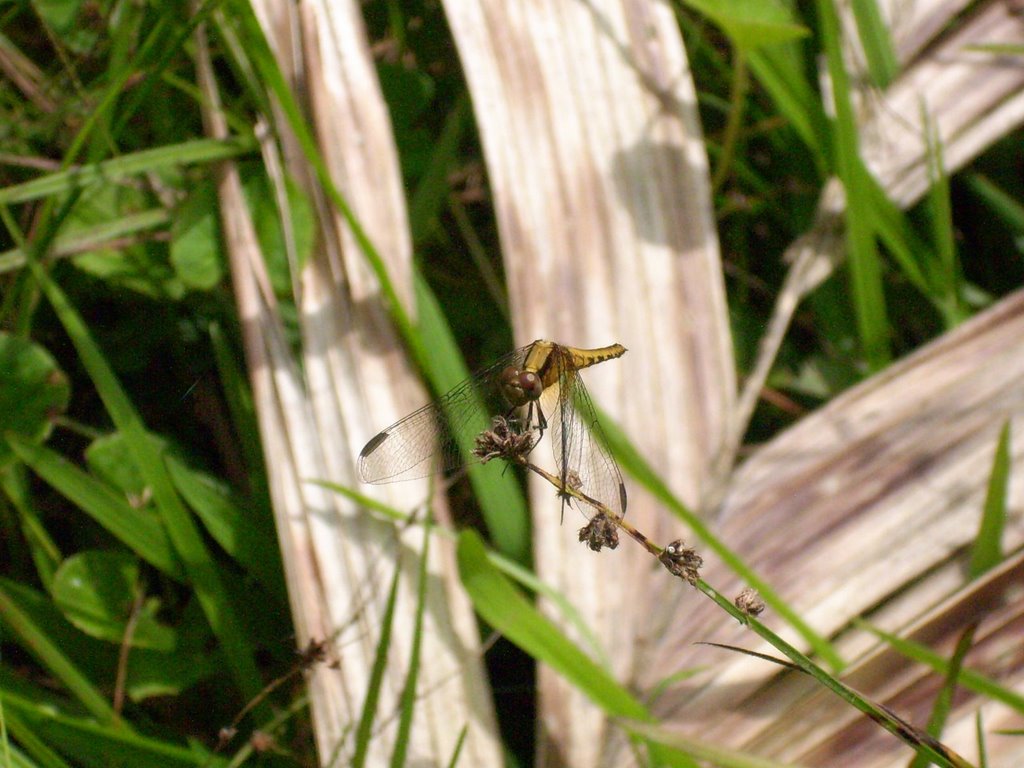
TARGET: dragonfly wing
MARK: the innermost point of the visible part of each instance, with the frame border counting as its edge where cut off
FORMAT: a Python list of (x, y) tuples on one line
[(579, 445), (429, 439), (405, 450)]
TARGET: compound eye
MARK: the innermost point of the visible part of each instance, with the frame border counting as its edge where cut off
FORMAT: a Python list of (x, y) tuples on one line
[(519, 387), (530, 385)]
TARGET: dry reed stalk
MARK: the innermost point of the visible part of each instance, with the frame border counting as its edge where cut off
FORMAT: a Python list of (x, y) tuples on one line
[(867, 507), (595, 157), (574, 105), (316, 413)]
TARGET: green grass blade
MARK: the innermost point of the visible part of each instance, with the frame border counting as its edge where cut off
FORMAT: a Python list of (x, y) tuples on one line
[(916, 258), (944, 701), (885, 718), (908, 249), (864, 261), (454, 761), (751, 24), (505, 609), (42, 755), (93, 238), (979, 735), (102, 745), (987, 550), (364, 731), (249, 540), (1006, 206), (407, 701), (967, 678), (243, 418), (511, 568), (945, 267), (263, 61), (184, 534), (778, 70), (631, 461), (33, 639), (432, 191), (137, 530), (163, 41), (876, 42), (709, 753), (121, 168), (499, 494), (45, 555)]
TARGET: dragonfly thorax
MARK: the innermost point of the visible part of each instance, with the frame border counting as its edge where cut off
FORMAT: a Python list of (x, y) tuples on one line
[(520, 387)]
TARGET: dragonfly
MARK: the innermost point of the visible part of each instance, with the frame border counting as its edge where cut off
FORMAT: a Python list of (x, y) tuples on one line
[(536, 388)]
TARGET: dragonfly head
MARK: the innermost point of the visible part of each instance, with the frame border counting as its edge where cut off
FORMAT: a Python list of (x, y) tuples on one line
[(520, 387)]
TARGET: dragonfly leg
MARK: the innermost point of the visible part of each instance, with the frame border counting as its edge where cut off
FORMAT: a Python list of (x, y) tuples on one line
[(526, 423)]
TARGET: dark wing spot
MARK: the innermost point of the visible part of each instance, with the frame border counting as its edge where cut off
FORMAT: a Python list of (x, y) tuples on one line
[(374, 443), (622, 497)]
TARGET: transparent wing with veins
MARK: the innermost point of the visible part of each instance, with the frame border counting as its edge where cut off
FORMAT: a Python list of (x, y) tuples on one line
[(407, 449), (579, 446)]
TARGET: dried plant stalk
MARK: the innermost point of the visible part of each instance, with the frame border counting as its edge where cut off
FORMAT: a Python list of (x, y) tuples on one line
[(867, 507), (595, 156), (568, 166), (338, 559)]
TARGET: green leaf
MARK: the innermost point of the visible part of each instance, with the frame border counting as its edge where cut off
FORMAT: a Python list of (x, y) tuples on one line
[(149, 673), (109, 459), (368, 712), (195, 240), (876, 42), (987, 550), (127, 166), (751, 24), (501, 499), (505, 609), (248, 536), (202, 569), (138, 529), (33, 390), (140, 267), (96, 591), (862, 252)]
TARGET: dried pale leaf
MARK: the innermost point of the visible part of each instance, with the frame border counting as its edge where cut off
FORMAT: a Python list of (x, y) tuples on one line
[(868, 507), (595, 156), (336, 556)]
